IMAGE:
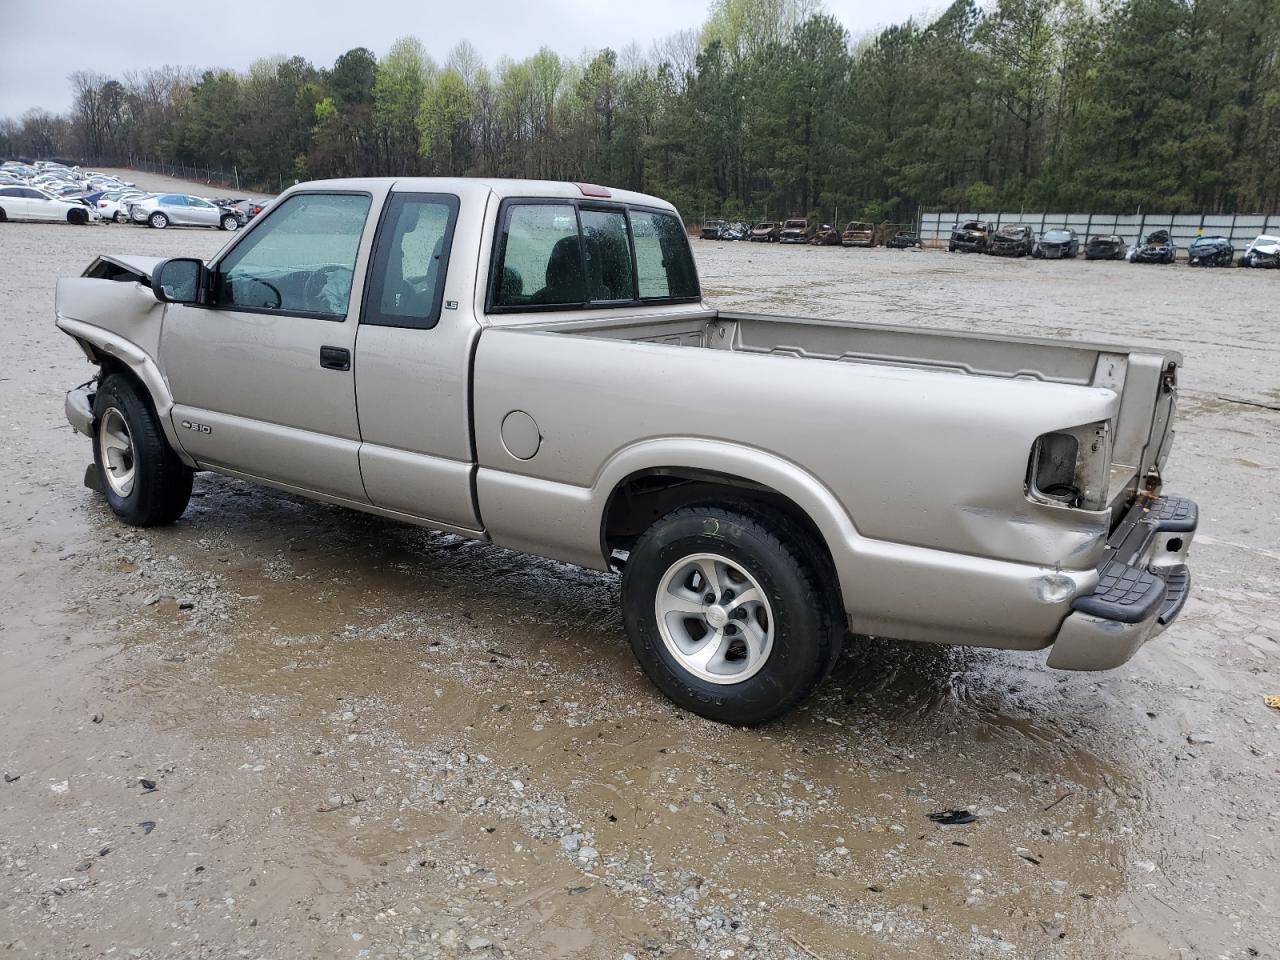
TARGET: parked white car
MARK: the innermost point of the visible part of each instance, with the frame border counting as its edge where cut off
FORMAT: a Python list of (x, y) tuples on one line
[(32, 203), (1263, 251), (112, 204), (181, 210)]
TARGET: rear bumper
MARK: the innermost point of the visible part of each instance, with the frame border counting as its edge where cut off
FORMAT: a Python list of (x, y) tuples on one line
[(1143, 584)]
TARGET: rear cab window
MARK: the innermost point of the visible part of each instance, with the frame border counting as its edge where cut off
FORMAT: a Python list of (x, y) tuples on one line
[(565, 254)]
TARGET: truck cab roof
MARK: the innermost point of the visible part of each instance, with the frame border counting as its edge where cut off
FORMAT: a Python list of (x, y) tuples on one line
[(500, 187)]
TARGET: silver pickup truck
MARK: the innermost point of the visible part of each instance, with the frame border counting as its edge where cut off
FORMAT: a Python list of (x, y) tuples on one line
[(532, 364)]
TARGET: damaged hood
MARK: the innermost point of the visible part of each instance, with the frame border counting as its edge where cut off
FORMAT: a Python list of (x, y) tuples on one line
[(141, 266)]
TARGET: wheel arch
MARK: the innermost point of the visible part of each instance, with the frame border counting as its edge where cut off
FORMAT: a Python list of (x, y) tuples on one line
[(115, 355), (651, 479)]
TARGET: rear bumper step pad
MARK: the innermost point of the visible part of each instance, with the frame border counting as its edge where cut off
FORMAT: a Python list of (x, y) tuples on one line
[(1175, 514), (1124, 594)]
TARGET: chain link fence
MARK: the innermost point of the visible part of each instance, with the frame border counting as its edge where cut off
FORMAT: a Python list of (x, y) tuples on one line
[(198, 172), (1240, 229)]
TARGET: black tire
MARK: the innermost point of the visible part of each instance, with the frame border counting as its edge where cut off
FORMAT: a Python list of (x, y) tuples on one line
[(229, 222), (161, 486), (793, 573), (158, 220), (120, 217), (78, 217), (3, 216)]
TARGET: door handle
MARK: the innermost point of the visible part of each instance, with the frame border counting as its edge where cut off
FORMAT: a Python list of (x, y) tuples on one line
[(335, 358)]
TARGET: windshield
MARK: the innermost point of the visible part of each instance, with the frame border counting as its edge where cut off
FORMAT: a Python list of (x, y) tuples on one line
[(764, 226), (1057, 236), (858, 225), (796, 224)]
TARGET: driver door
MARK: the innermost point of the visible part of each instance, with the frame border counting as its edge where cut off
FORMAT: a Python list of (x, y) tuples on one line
[(261, 374)]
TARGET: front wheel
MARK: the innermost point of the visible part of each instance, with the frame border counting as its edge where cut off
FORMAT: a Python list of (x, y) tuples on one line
[(120, 217), (158, 220), (78, 217), (229, 222), (144, 482), (732, 614)]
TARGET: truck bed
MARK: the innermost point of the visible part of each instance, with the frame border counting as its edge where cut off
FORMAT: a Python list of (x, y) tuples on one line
[(1144, 379)]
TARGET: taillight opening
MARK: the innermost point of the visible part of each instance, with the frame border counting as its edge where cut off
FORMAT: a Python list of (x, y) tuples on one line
[(1070, 467)]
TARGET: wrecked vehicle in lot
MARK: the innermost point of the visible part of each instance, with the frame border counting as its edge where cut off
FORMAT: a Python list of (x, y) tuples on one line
[(1013, 240), (1105, 248), (970, 236), (1262, 251), (1211, 252), (902, 240), (557, 335), (180, 210), (765, 232), (32, 203), (794, 231), (1058, 244), (711, 230), (825, 236), (858, 233), (1155, 247)]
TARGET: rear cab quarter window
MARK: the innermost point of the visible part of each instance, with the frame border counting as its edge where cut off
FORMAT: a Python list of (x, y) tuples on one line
[(411, 260)]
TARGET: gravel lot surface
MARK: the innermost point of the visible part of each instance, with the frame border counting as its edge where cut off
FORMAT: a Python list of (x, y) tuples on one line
[(279, 729)]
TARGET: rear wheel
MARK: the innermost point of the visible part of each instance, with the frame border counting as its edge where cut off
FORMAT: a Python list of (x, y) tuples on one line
[(731, 613), (120, 217), (144, 482)]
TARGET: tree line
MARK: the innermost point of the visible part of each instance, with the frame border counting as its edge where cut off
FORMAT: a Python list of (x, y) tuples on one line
[(769, 110)]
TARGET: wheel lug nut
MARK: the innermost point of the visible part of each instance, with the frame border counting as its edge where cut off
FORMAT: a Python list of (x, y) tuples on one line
[(727, 596), (710, 598), (739, 614)]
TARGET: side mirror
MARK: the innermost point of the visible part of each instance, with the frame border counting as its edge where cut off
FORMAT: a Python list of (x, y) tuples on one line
[(178, 280)]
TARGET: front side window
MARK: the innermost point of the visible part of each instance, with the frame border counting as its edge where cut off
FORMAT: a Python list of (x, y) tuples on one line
[(301, 259), (412, 260)]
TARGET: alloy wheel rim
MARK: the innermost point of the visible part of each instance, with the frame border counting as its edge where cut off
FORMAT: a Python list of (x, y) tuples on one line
[(115, 444), (714, 618)]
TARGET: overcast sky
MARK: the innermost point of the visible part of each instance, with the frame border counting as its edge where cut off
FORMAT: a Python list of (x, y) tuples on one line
[(39, 47)]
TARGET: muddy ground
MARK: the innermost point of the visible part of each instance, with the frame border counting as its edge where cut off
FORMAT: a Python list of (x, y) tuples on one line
[(280, 729)]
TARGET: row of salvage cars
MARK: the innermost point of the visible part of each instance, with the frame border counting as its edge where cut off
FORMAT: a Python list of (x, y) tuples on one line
[(857, 233), (1020, 240), (48, 190)]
